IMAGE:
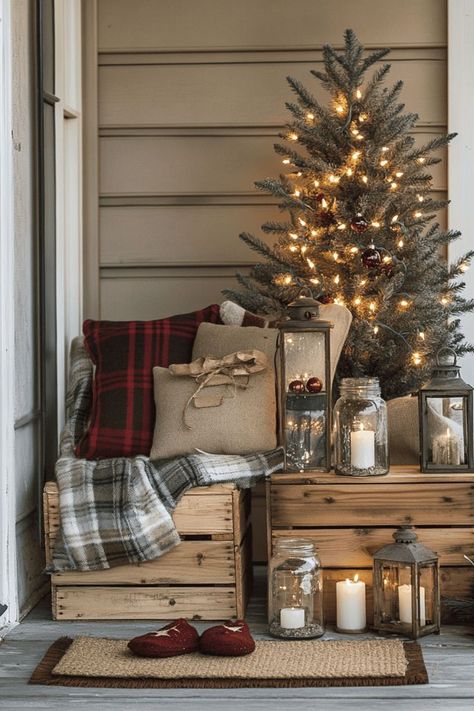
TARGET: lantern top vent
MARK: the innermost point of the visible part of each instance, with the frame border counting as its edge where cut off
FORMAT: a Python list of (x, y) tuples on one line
[(303, 312), (406, 549), (446, 374)]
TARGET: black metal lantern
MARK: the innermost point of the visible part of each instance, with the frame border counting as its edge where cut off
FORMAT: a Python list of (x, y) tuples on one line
[(446, 418), (406, 587), (305, 387)]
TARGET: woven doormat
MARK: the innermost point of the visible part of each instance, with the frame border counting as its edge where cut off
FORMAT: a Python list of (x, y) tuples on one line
[(95, 662)]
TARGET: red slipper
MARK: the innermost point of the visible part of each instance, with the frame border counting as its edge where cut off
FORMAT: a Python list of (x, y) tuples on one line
[(176, 638), (232, 639)]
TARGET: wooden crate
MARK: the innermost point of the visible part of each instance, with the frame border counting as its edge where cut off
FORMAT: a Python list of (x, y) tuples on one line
[(350, 518), (208, 576)]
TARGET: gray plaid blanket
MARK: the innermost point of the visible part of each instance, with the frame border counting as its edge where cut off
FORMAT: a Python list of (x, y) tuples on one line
[(117, 511)]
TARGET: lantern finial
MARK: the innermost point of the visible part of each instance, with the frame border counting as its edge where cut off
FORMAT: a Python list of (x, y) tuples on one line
[(405, 534)]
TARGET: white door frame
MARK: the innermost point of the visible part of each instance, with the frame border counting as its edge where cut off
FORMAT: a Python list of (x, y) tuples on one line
[(461, 151), (8, 577)]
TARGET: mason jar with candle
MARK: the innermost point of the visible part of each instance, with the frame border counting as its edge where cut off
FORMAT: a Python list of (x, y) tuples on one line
[(360, 429), (295, 590)]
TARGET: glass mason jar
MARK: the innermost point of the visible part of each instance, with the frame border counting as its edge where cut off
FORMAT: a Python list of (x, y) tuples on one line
[(295, 590), (360, 429)]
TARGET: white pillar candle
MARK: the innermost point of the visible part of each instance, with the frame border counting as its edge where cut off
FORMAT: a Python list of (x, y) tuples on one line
[(363, 448), (350, 603), (447, 449), (404, 604), (292, 618)]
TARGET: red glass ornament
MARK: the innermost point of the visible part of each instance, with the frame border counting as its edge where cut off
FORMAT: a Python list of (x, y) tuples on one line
[(314, 385), (296, 386), (359, 224), (371, 258)]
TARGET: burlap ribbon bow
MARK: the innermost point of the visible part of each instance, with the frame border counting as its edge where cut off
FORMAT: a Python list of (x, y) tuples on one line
[(211, 371)]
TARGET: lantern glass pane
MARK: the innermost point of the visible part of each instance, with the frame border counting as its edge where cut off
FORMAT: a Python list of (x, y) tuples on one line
[(395, 594), (427, 577), (447, 424), (305, 412)]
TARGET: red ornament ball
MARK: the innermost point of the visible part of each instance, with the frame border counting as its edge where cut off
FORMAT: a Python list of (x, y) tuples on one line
[(296, 386), (314, 385), (325, 299), (371, 258), (359, 224)]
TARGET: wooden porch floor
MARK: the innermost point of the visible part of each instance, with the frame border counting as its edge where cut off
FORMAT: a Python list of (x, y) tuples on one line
[(449, 659)]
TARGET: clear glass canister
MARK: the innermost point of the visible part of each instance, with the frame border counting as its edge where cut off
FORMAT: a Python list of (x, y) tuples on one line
[(295, 590), (360, 429)]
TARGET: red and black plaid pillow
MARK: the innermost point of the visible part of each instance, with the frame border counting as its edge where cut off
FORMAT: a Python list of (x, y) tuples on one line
[(125, 353)]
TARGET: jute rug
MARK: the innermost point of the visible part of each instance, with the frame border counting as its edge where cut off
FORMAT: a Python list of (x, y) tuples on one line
[(95, 662)]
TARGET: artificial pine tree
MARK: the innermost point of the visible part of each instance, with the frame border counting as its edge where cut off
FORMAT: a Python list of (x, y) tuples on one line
[(361, 227)]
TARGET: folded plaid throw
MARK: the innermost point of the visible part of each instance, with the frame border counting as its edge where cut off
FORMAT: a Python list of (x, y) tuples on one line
[(117, 511)]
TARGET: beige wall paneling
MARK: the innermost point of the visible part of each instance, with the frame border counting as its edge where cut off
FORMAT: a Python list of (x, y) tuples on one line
[(207, 24)]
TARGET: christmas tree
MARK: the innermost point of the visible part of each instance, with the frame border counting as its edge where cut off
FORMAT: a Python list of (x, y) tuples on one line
[(361, 227)]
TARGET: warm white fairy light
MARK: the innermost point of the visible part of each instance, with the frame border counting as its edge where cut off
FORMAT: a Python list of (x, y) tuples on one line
[(359, 137), (365, 179), (293, 248), (403, 303), (316, 183), (349, 172), (304, 248), (302, 222), (357, 301), (310, 116), (464, 267), (297, 193), (387, 259), (342, 226), (376, 224), (311, 264), (416, 358), (363, 117), (393, 186), (384, 162), (354, 250), (421, 159), (394, 219), (355, 131), (384, 149), (288, 279), (372, 306), (340, 109), (339, 300), (417, 214), (293, 136), (444, 300), (324, 203), (356, 155), (399, 173), (293, 235), (363, 282), (420, 198), (332, 178), (286, 161), (299, 174), (421, 335), (314, 280), (400, 243), (337, 279), (314, 233), (358, 94), (335, 256), (376, 329)]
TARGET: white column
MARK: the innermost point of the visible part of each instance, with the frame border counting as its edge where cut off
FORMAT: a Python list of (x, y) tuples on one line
[(461, 153)]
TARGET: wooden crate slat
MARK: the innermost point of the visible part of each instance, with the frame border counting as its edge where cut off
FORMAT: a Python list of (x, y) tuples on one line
[(204, 514), (455, 583), (143, 603), (356, 505), (191, 562), (244, 573), (352, 547), (398, 474)]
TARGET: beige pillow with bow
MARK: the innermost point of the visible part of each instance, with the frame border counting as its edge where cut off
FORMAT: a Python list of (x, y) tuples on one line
[(242, 419)]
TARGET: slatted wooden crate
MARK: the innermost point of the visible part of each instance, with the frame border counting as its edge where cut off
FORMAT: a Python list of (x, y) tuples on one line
[(350, 518), (208, 576)]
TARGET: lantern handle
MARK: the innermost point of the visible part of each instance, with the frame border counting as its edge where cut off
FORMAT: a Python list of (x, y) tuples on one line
[(446, 349), (305, 291)]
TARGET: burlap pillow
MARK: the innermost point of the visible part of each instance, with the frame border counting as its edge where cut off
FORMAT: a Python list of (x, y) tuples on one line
[(221, 340), (243, 424), (403, 434)]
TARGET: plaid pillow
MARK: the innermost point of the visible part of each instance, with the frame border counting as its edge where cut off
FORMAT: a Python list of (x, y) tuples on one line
[(124, 353)]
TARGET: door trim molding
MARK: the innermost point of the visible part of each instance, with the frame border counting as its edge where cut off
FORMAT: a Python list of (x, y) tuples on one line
[(8, 574)]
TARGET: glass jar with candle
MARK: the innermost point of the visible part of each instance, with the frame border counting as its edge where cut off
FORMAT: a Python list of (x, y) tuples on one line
[(295, 590), (360, 429)]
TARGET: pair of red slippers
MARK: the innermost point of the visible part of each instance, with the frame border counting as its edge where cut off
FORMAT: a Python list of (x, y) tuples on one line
[(232, 639)]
